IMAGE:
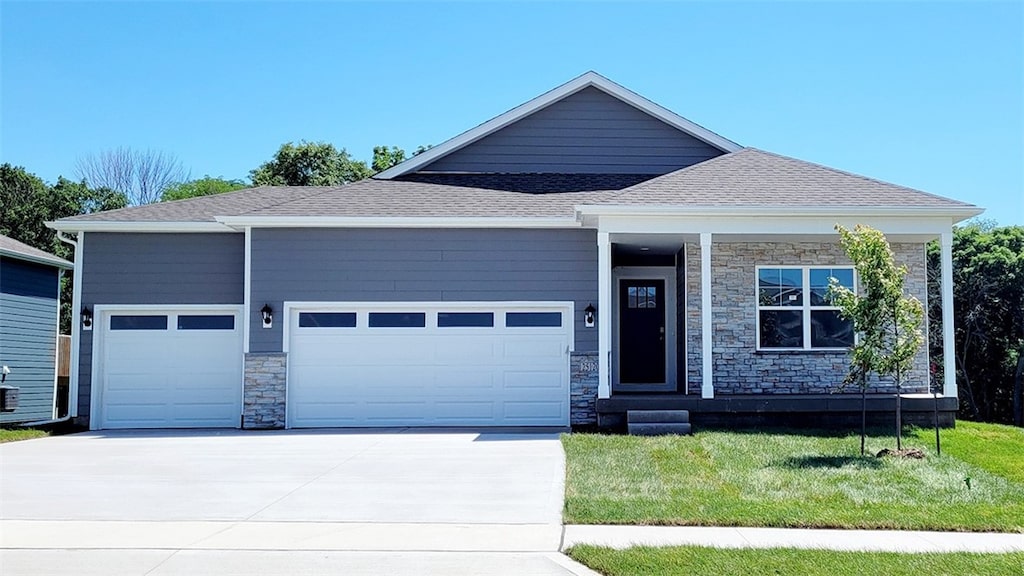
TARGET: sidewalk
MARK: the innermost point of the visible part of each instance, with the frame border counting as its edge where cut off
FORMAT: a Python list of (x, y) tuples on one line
[(860, 540)]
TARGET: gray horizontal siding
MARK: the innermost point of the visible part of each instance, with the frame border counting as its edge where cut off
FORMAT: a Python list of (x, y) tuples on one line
[(156, 269), (587, 132), (325, 265), (28, 337)]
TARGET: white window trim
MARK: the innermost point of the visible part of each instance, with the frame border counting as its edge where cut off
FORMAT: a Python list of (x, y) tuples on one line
[(805, 307)]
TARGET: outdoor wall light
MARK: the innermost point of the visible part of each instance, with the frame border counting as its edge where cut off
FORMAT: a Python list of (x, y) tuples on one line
[(589, 315), (268, 315), (86, 318)]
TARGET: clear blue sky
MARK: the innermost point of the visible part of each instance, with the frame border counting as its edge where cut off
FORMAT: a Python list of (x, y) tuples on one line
[(925, 95)]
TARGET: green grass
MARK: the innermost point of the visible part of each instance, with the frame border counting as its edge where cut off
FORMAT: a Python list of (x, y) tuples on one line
[(997, 449), (791, 479), (15, 434), (697, 561)]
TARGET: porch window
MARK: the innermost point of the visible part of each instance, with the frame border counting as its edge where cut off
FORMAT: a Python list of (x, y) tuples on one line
[(794, 311)]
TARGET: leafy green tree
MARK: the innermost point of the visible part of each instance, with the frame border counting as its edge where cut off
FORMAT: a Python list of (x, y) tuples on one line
[(887, 320), (988, 307), (309, 164), (385, 157), (27, 203), (205, 186)]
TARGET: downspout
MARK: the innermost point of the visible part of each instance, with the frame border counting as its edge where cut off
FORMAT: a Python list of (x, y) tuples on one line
[(76, 319)]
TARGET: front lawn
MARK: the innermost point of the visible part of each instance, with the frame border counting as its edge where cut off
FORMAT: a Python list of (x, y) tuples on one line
[(797, 479), (696, 561), (15, 434)]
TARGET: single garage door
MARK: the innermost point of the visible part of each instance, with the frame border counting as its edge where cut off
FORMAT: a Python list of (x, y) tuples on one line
[(177, 368), (437, 364)]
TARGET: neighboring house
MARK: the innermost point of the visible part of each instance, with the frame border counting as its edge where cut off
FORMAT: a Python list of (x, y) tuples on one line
[(586, 252), (29, 320)]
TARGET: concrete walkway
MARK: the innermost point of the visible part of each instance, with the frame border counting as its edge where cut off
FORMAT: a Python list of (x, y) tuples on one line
[(859, 540)]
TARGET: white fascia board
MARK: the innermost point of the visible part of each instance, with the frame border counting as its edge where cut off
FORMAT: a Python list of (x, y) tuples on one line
[(392, 222), (751, 225), (55, 262), (107, 226), (956, 212), (571, 87)]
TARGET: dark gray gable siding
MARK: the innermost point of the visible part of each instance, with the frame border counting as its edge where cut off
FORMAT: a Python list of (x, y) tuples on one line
[(587, 132), (121, 268), (388, 265), (28, 336)]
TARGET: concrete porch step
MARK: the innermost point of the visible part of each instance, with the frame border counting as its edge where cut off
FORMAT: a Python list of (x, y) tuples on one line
[(657, 416), (659, 428)]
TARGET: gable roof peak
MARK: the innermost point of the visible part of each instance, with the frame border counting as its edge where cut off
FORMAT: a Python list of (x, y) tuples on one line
[(586, 80)]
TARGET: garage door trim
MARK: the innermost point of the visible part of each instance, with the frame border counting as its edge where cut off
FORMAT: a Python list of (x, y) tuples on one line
[(102, 314), (291, 309)]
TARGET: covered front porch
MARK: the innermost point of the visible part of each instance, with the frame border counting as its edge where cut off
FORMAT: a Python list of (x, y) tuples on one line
[(680, 322)]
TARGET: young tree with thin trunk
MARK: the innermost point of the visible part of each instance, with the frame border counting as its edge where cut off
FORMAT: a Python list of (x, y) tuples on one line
[(886, 319)]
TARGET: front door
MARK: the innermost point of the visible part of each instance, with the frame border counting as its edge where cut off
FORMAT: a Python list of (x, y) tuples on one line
[(642, 308)]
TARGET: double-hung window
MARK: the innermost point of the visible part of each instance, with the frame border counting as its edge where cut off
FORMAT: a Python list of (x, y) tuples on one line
[(794, 311)]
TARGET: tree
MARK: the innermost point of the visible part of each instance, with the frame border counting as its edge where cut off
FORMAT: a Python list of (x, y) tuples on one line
[(385, 157), (27, 203), (988, 306), (141, 175), (205, 186), (887, 321), (309, 164)]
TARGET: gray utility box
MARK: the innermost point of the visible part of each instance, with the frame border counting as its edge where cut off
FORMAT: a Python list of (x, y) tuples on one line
[(8, 398)]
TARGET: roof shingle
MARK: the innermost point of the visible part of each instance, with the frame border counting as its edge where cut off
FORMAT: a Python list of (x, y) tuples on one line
[(745, 178), (755, 178), (11, 247)]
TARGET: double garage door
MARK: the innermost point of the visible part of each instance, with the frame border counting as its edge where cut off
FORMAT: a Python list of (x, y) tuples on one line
[(436, 364)]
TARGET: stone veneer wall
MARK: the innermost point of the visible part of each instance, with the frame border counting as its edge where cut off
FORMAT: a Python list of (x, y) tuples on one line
[(583, 388), (263, 399), (739, 367)]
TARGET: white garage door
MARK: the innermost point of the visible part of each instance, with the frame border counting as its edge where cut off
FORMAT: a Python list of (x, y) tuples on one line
[(429, 365), (170, 368)]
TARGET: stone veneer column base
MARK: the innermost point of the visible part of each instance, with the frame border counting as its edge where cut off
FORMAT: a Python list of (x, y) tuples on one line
[(583, 388), (263, 398)]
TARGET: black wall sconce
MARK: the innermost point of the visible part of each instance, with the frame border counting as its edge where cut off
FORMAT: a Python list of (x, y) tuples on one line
[(268, 315), (589, 316), (86, 318)]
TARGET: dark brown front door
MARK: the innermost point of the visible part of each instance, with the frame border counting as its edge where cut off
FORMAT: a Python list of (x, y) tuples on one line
[(641, 331)]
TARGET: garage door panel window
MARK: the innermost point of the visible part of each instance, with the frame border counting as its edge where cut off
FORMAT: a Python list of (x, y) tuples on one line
[(465, 319), (398, 319), (533, 319), (121, 322), (327, 320), (206, 322)]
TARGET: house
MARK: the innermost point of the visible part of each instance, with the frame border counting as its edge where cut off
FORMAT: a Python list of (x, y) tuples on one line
[(582, 253), (29, 320)]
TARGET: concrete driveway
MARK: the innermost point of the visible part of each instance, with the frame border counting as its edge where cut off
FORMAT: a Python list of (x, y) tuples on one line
[(164, 499)]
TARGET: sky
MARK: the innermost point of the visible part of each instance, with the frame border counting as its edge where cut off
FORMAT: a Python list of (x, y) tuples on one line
[(926, 95)]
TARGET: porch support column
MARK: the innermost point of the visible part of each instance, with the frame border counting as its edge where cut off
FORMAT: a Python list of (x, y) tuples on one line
[(604, 310), (949, 387), (707, 388)]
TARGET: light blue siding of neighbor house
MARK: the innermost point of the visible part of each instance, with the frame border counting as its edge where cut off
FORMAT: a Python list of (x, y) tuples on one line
[(156, 269), (28, 336), (428, 265), (586, 132)]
